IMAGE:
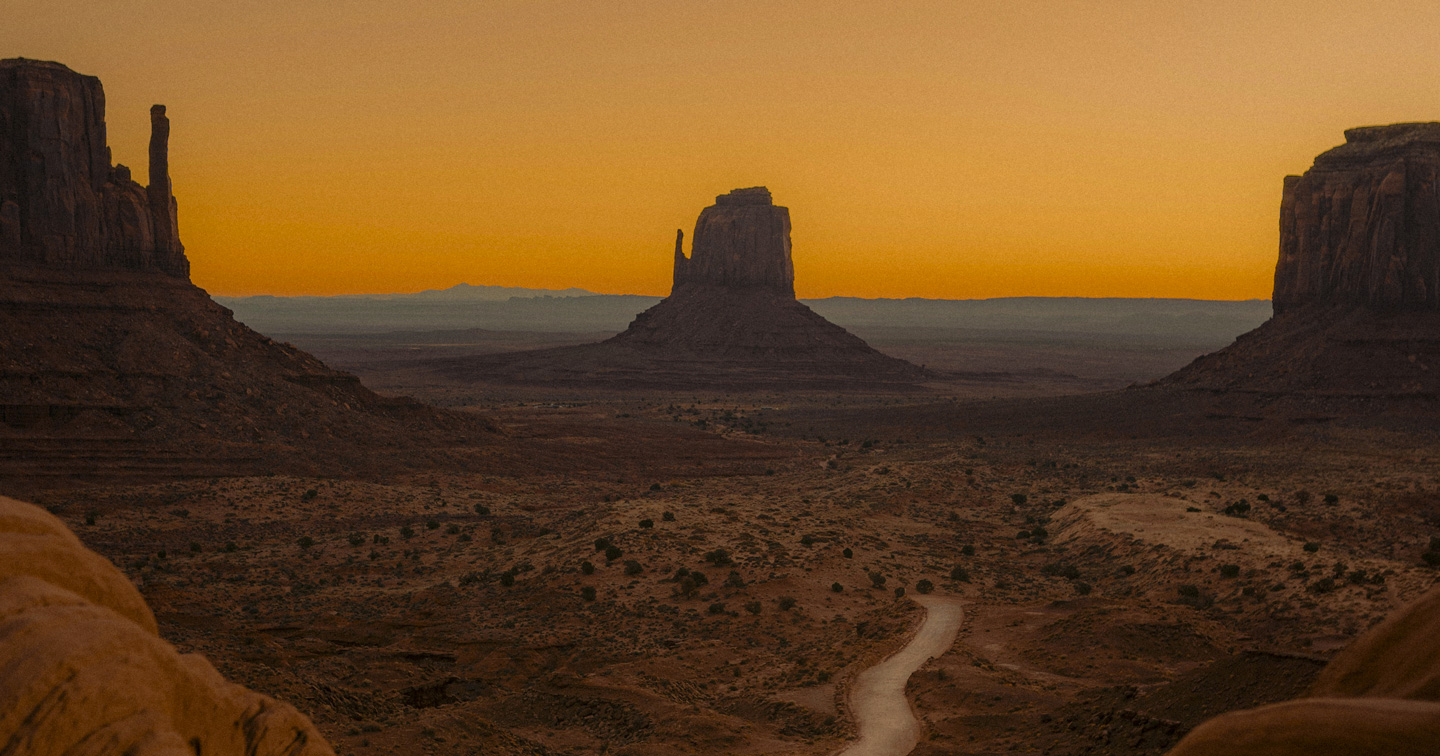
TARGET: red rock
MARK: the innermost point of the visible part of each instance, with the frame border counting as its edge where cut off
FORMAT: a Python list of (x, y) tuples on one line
[(61, 202), (1362, 226)]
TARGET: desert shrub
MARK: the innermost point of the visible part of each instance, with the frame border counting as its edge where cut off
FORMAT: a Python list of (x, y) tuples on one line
[(647, 523), (1311, 546), (481, 509), (633, 567), (900, 591), (588, 593), (357, 540), (452, 529), (1189, 591), (1038, 533), (89, 518), (877, 580), (1357, 577), (1022, 535), (687, 586), (786, 603), (1238, 509), (587, 567), (379, 540), (1332, 499), (718, 557), (432, 524), (847, 553), (306, 542), (230, 547), (466, 537), (602, 543), (1083, 588), (1431, 558), (612, 553), (507, 578), (309, 495), (699, 577), (1229, 570), (924, 585), (716, 608), (470, 578), (1323, 585), (967, 550), (497, 534), (734, 580), (667, 516), (654, 486), (753, 607), (1060, 569), (807, 540), (960, 574), (1018, 499), (1302, 497), (407, 532), (1127, 569), (836, 587)]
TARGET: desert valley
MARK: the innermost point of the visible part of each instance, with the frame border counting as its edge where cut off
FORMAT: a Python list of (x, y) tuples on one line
[(555, 522)]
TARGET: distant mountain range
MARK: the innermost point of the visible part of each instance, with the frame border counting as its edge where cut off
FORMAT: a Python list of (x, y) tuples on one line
[(504, 308)]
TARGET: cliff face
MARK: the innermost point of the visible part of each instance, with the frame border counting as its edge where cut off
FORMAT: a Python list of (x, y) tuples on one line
[(1362, 226), (741, 242), (62, 204)]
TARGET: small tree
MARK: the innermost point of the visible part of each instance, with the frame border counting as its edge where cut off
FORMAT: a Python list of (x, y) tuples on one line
[(923, 585), (836, 587), (847, 553), (587, 567), (612, 553)]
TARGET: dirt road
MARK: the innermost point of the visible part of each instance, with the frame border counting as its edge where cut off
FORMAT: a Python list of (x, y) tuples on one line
[(882, 713)]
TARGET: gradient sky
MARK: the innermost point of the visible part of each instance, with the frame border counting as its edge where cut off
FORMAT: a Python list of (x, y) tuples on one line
[(936, 149)]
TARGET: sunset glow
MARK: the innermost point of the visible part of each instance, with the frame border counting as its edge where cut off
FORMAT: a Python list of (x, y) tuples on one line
[(944, 149)]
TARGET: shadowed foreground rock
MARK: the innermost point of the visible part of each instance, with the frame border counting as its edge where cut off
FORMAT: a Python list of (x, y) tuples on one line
[(731, 321), (83, 671), (1381, 695)]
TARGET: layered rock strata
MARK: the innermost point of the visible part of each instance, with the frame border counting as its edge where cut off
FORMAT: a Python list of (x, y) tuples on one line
[(62, 203), (1362, 226), (84, 670)]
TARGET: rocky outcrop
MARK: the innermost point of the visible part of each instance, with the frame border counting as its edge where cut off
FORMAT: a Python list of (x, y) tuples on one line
[(1378, 696), (62, 204), (740, 242), (83, 669), (1362, 226)]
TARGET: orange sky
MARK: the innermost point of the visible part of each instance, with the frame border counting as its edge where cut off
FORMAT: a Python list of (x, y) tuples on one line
[(936, 149)]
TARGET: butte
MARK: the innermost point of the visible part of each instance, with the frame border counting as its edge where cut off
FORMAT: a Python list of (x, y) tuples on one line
[(731, 322), (112, 363), (1356, 328)]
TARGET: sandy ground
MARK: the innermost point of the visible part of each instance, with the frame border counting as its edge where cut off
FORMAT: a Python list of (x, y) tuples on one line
[(883, 717)]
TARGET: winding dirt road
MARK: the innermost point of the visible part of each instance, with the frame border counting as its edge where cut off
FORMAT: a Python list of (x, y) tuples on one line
[(882, 713)]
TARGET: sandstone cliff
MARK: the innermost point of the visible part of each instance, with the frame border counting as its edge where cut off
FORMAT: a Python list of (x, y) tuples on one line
[(742, 241), (1362, 226), (61, 201), (83, 670)]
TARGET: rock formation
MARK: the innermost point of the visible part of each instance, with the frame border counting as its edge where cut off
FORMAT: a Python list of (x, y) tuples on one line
[(83, 669), (741, 242), (1357, 284), (1362, 226), (731, 321), (111, 361), (1380, 695), (61, 201)]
